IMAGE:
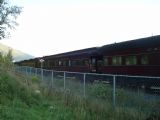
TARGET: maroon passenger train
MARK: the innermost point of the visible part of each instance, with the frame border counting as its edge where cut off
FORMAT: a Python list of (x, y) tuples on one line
[(134, 57)]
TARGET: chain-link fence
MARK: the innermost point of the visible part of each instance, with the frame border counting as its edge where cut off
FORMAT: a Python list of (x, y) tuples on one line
[(139, 92)]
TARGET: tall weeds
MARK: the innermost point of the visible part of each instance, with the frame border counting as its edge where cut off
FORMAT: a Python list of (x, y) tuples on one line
[(6, 60)]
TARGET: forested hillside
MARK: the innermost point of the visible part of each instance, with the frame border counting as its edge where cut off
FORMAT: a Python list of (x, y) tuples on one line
[(17, 55)]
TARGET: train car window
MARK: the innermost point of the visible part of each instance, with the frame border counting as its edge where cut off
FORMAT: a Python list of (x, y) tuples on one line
[(131, 60), (65, 63), (82, 62), (69, 63), (93, 60), (117, 60), (86, 62), (79, 63), (144, 60), (105, 61), (73, 63), (60, 63), (56, 62), (100, 63), (52, 63)]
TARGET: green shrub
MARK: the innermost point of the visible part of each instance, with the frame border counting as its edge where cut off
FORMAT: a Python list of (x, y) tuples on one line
[(35, 79), (8, 87), (6, 60), (101, 90)]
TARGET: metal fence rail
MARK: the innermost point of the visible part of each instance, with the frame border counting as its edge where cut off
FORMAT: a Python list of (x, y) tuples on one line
[(120, 90)]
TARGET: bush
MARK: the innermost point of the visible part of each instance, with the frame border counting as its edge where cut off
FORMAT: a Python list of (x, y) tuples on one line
[(101, 90), (6, 60), (35, 79), (8, 87)]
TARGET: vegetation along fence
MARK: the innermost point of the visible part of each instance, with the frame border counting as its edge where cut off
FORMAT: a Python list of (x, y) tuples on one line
[(138, 92)]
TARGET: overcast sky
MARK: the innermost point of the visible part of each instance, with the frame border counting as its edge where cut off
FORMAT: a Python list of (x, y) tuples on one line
[(54, 26)]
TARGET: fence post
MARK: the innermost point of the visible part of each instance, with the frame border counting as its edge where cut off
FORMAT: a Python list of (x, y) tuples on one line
[(84, 85), (52, 80), (42, 74), (26, 71), (64, 80), (26, 75), (21, 70), (114, 91), (17, 69), (36, 72), (30, 70)]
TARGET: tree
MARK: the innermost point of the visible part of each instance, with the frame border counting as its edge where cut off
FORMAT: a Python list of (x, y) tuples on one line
[(8, 15)]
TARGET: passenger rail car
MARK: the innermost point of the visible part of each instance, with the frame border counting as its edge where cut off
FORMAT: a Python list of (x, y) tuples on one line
[(134, 57), (75, 61)]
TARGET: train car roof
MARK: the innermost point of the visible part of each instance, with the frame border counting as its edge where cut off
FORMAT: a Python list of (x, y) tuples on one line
[(147, 42), (87, 51)]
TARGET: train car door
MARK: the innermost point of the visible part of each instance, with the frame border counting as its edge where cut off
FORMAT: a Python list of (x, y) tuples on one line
[(93, 65)]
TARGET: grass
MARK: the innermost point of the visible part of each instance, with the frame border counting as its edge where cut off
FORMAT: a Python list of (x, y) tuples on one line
[(104, 92), (20, 101)]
